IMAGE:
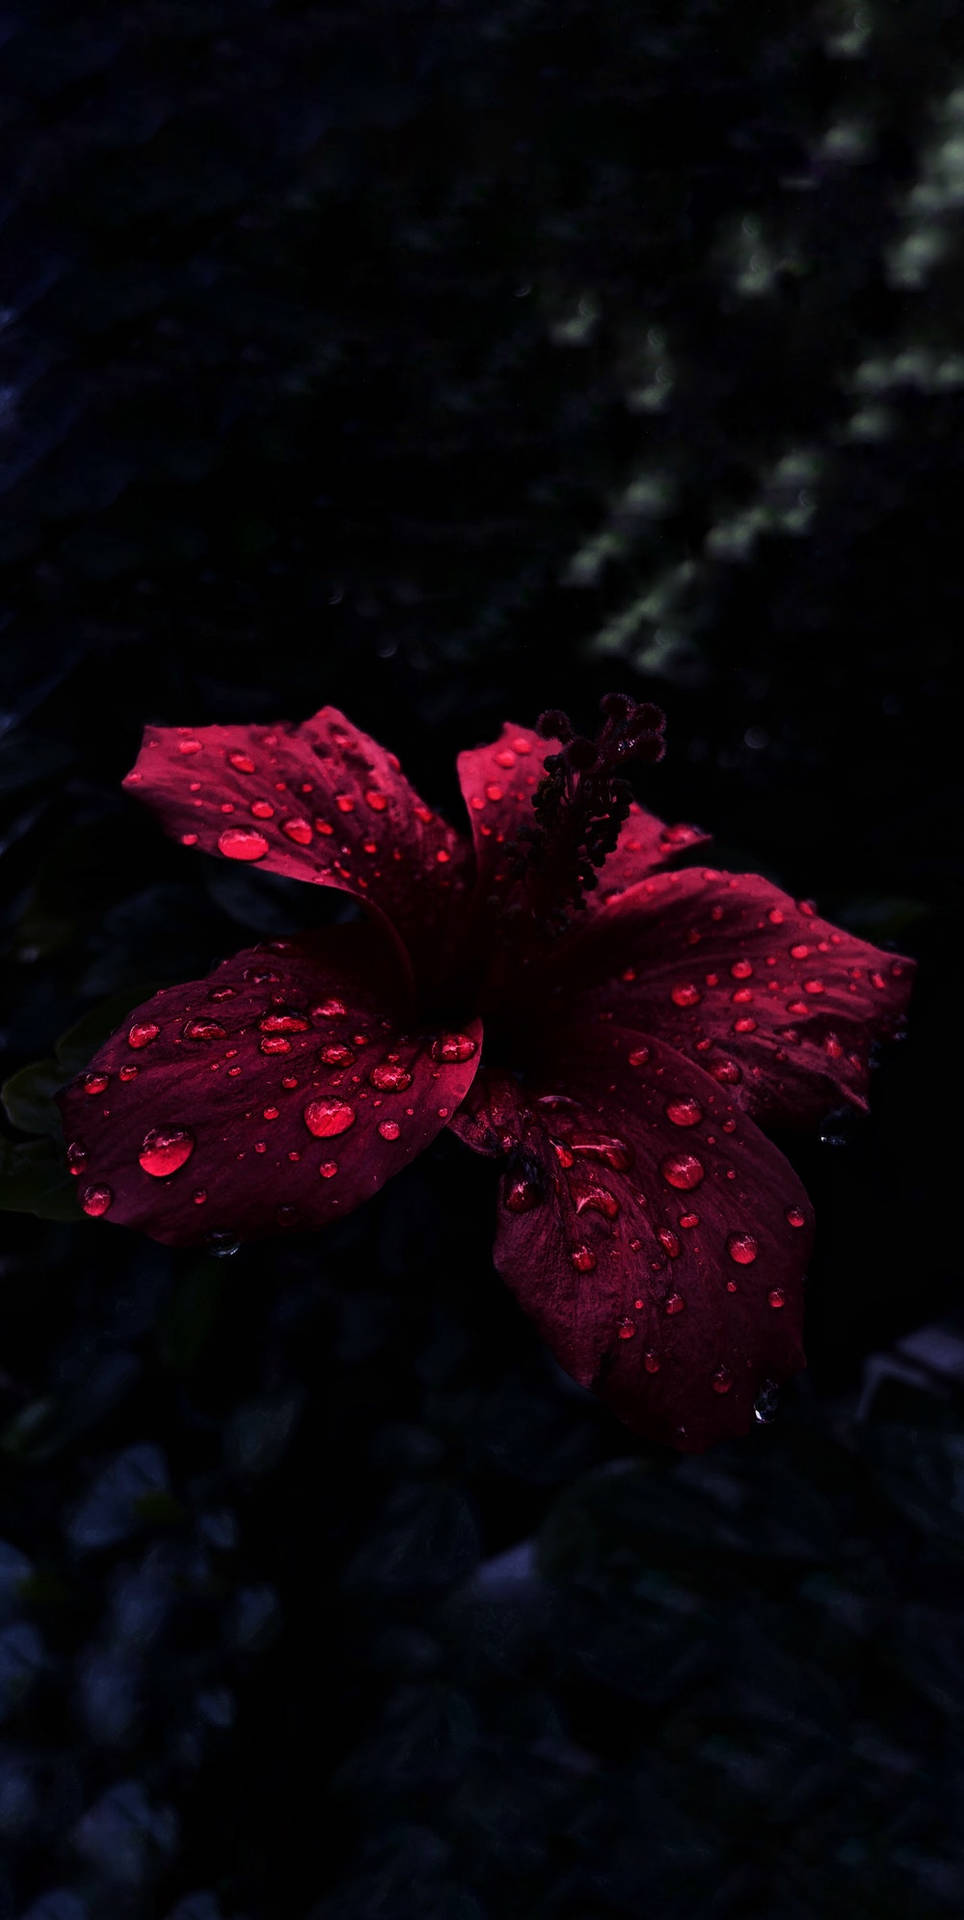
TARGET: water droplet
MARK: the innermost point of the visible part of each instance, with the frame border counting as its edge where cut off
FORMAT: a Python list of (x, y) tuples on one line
[(726, 1072), (344, 803), (674, 1304), (328, 1169), (796, 1217), (682, 1170), (684, 1113), (742, 996), (242, 762), (813, 986), (597, 1200), (76, 1157), (668, 1239), (142, 1033), (777, 1297), (289, 1081), (189, 746), (688, 1220), (651, 1361), (583, 1258), (443, 856), (626, 1330), (199, 1196), (389, 1129), (745, 1024), (742, 1248), (766, 1403), (203, 1030), (95, 1082), (390, 1079), (520, 1195), (328, 1010), (722, 1380), (493, 791), (335, 1056), (270, 1043), (799, 951), (189, 839), (95, 1200), (262, 809), (741, 970), (242, 843), (324, 1118), (454, 1046), (165, 1149), (284, 1020), (639, 1056), (686, 996), (128, 1073), (506, 758)]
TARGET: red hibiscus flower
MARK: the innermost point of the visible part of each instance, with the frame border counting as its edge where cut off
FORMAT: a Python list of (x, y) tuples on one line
[(638, 1024)]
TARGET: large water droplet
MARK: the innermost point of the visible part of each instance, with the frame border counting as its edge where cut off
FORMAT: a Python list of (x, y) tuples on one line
[(668, 1240), (96, 1200), (626, 1330), (242, 843), (390, 1078), (582, 1258), (298, 830), (76, 1157), (142, 1033), (684, 1113), (242, 762), (520, 1195), (674, 1304), (328, 1010), (325, 1118), (741, 970), (335, 1056), (742, 1248), (682, 1170), (777, 1297), (203, 1030), (686, 996), (454, 1046), (638, 1057), (328, 1169), (165, 1149), (726, 1072), (284, 1020), (597, 1200), (796, 1217), (389, 1129)]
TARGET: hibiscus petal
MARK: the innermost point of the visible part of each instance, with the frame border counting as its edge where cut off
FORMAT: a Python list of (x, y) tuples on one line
[(658, 1240), (282, 1090), (320, 802), (778, 1004), (498, 781)]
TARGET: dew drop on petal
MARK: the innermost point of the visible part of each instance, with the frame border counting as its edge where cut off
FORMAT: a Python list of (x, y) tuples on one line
[(726, 1072), (389, 1078), (813, 986), (799, 951), (775, 917), (199, 1196), (583, 1258), (95, 1082), (328, 1169), (520, 1195), (443, 856), (165, 1149), (96, 1200), (722, 1380), (389, 1129), (189, 839), (242, 843), (76, 1157), (324, 1118), (203, 1030), (626, 1330), (745, 1024), (686, 996), (128, 1073), (241, 762), (493, 791), (669, 1241), (688, 1220), (684, 1113), (639, 1057), (298, 830), (741, 969), (328, 1010), (674, 1304), (142, 1033), (742, 1248), (598, 1200), (681, 1170), (283, 1020), (344, 803), (651, 1362), (335, 1056), (454, 1046), (777, 1297), (796, 1217), (262, 809)]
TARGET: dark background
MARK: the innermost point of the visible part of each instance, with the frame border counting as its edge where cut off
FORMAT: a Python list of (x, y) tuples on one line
[(445, 363)]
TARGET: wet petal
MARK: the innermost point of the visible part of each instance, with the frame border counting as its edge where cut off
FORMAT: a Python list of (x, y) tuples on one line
[(778, 1004), (498, 781), (658, 1240), (281, 1091), (320, 802)]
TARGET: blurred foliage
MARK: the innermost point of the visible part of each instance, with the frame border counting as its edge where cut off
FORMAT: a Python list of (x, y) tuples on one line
[(446, 362)]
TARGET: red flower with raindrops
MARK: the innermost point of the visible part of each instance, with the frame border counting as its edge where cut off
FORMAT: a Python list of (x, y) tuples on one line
[(615, 1031)]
